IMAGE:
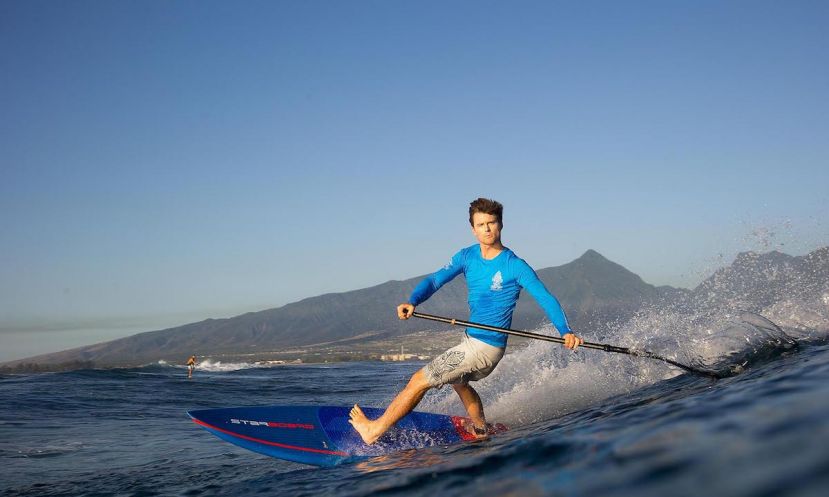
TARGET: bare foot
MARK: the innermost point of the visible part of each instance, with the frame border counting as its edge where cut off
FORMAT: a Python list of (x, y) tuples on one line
[(363, 425), (475, 432), (480, 433)]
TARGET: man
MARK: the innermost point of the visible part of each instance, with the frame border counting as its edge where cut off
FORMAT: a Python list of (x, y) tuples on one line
[(191, 365), (494, 278)]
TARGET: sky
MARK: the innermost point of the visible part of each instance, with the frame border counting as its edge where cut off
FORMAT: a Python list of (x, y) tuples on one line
[(163, 162)]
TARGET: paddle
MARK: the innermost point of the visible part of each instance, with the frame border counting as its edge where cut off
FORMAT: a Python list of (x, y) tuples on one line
[(536, 336)]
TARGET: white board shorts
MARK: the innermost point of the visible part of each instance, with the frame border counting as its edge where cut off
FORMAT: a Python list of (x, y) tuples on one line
[(470, 360)]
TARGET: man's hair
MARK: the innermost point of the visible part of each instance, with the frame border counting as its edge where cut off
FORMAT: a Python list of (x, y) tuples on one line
[(486, 206)]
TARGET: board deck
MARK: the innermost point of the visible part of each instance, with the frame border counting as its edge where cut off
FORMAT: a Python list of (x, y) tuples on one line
[(322, 436)]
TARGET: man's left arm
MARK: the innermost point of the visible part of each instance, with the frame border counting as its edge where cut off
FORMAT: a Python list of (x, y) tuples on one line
[(530, 281)]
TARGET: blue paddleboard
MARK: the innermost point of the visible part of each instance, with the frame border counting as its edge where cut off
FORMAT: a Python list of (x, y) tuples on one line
[(322, 436)]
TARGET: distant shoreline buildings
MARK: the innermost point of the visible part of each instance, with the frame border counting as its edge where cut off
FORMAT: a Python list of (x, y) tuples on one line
[(403, 356)]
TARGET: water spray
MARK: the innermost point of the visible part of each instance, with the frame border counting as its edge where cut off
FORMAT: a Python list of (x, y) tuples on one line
[(589, 345)]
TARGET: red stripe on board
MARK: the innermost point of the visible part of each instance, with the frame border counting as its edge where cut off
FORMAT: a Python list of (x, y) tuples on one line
[(275, 444), (290, 426), (460, 424), (462, 427)]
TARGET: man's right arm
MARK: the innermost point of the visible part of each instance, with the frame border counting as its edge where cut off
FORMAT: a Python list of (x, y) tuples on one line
[(430, 284)]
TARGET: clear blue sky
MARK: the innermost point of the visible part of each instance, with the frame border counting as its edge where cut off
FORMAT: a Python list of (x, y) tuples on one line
[(199, 159)]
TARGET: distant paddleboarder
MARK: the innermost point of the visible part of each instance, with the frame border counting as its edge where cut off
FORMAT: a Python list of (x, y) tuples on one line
[(495, 277), (191, 365)]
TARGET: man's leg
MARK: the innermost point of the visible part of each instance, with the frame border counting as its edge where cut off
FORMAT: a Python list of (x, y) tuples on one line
[(404, 403), (472, 402)]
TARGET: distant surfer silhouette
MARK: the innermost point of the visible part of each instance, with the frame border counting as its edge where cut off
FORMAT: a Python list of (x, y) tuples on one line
[(495, 277), (191, 365)]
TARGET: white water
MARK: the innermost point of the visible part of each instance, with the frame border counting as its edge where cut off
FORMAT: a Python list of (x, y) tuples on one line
[(715, 333), (217, 366)]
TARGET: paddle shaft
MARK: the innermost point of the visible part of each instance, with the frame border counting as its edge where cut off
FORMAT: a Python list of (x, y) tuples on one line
[(526, 334)]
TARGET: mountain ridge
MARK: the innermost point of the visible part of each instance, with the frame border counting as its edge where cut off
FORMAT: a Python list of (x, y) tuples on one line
[(592, 289)]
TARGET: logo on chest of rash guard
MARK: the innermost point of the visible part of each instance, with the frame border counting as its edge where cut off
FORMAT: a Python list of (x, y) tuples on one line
[(497, 282)]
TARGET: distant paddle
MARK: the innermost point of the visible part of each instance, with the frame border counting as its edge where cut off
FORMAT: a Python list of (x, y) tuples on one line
[(536, 336)]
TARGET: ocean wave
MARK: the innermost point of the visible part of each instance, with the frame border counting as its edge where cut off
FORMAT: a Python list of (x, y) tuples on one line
[(211, 365), (44, 451), (221, 367), (750, 339), (543, 381)]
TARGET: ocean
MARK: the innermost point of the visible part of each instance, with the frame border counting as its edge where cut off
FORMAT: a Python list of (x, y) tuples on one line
[(581, 423), (125, 432)]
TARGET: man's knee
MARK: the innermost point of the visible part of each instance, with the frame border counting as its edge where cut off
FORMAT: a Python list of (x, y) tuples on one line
[(419, 382)]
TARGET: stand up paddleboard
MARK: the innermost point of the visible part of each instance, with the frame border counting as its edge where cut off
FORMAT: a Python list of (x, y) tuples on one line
[(322, 436)]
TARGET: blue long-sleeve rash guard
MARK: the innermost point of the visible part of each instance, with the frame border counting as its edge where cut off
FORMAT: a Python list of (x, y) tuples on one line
[(494, 286)]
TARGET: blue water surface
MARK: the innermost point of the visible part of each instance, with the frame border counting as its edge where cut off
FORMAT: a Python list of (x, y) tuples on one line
[(761, 432)]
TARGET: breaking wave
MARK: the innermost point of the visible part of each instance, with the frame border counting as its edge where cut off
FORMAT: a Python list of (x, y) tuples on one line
[(756, 311), (213, 366)]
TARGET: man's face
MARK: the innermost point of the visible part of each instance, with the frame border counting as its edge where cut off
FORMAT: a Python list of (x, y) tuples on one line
[(486, 228)]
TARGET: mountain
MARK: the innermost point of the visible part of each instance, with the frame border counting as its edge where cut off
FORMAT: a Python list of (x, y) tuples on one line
[(591, 289), (755, 281), (594, 290)]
